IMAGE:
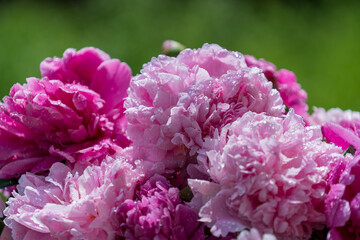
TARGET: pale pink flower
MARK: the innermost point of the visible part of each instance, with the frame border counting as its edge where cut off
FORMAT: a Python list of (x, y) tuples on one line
[(265, 172), (78, 118), (285, 81), (67, 205), (175, 102), (346, 118)]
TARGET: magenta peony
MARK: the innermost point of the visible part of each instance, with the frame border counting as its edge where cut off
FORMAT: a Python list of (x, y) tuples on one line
[(157, 212), (342, 206), (266, 172), (175, 102), (93, 68), (76, 118), (67, 205), (285, 81)]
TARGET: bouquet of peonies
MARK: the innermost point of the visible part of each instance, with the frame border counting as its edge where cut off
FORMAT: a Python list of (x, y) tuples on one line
[(207, 144)]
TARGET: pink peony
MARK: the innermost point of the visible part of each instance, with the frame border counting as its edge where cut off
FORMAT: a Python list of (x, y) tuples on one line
[(342, 206), (46, 121), (157, 212), (94, 68), (175, 102), (338, 126), (285, 81), (265, 172), (67, 205)]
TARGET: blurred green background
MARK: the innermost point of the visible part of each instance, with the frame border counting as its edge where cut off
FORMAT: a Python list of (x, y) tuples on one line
[(317, 39)]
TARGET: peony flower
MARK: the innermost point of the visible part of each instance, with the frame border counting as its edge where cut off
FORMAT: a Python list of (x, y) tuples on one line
[(77, 118), (93, 68), (285, 81), (175, 102), (254, 234), (67, 205), (265, 172), (157, 212), (342, 205), (338, 126)]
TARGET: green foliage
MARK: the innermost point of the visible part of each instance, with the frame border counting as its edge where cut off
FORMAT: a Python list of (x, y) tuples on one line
[(318, 40)]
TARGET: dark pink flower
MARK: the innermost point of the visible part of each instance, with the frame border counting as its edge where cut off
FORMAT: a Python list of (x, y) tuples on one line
[(77, 117), (157, 212), (93, 68), (342, 206), (285, 81)]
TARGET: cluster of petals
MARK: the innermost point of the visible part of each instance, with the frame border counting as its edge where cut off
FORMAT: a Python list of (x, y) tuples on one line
[(285, 82), (338, 126), (253, 234), (175, 102), (265, 172), (69, 114), (157, 212), (67, 205), (342, 205), (89, 141)]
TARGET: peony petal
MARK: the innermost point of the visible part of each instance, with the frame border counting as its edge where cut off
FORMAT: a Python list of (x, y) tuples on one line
[(111, 81)]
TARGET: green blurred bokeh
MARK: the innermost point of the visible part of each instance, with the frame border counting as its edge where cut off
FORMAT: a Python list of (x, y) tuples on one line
[(318, 40)]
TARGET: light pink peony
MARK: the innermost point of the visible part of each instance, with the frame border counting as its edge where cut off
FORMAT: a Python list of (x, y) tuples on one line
[(265, 172), (338, 126), (78, 118), (67, 205), (285, 81), (345, 118), (175, 102)]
